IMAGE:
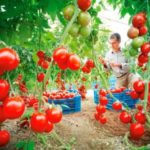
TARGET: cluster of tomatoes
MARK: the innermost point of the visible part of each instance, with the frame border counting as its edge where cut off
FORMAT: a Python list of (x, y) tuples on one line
[(136, 119), (136, 33), (88, 66), (30, 101), (101, 107), (103, 101), (59, 95), (41, 122), (10, 107), (43, 62), (66, 60), (60, 83), (21, 84), (82, 91), (82, 24), (138, 92)]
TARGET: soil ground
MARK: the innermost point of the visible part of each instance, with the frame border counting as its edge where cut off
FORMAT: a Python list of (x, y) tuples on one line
[(88, 133)]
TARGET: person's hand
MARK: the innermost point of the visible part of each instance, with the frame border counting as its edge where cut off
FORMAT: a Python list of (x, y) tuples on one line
[(115, 65), (101, 60)]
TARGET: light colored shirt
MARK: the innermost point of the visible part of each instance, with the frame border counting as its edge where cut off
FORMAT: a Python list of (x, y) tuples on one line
[(117, 58)]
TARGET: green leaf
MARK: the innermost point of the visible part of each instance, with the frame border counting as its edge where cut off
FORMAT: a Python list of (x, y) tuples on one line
[(29, 145), (42, 138), (52, 9), (28, 113), (61, 19), (35, 57), (20, 144)]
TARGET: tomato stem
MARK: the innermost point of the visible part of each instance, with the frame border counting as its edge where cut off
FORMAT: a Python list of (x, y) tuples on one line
[(132, 147), (11, 87)]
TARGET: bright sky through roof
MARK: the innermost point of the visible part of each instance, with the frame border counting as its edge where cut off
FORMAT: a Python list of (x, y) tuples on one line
[(111, 19)]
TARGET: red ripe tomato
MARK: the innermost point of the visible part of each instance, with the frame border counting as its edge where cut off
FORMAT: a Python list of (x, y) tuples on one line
[(62, 65), (73, 62), (143, 30), (60, 54), (85, 69), (140, 117), (140, 64), (102, 92), (139, 107), (138, 20), (4, 89), (96, 115), (2, 117), (54, 115), (4, 137), (100, 109), (40, 61), (134, 94), (90, 63), (139, 86), (84, 4), (13, 107), (125, 117), (38, 122), (40, 77), (9, 59), (103, 100), (44, 64), (141, 95), (40, 54), (145, 48), (143, 14), (117, 106), (143, 58), (102, 119), (49, 127), (136, 131)]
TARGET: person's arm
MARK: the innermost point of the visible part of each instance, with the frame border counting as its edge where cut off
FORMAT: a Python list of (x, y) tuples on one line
[(105, 63)]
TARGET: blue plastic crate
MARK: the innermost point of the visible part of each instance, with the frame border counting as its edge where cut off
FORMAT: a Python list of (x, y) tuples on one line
[(70, 105), (123, 97)]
